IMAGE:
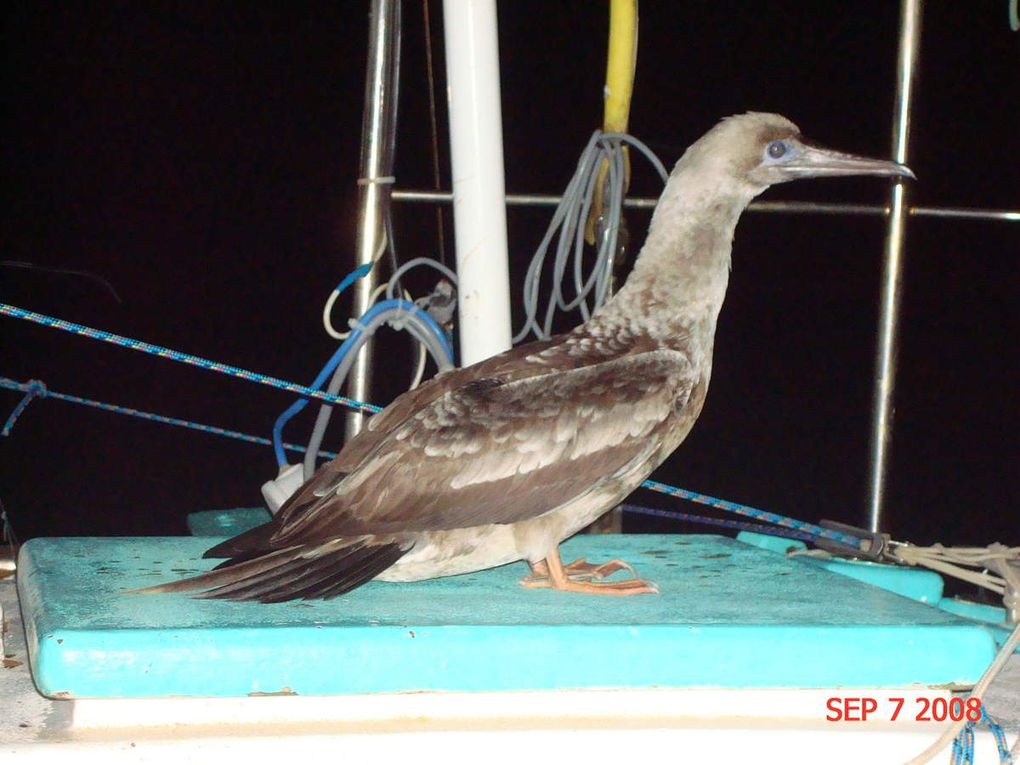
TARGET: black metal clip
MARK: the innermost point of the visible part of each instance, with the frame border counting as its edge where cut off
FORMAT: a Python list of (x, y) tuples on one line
[(873, 543)]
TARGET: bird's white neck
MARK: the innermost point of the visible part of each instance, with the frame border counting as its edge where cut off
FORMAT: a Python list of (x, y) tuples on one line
[(680, 276)]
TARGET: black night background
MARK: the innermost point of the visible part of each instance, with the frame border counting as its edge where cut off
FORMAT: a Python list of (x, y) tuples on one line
[(202, 158)]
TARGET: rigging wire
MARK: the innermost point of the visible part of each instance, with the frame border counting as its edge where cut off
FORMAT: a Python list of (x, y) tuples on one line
[(434, 129), (390, 144), (100, 280)]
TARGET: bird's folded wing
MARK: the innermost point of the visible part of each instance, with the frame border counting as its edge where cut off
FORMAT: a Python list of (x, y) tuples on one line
[(490, 451)]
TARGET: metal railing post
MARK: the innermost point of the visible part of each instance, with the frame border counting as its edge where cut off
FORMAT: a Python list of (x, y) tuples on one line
[(892, 278), (377, 138)]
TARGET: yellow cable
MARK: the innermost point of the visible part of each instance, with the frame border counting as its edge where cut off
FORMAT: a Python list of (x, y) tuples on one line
[(620, 66)]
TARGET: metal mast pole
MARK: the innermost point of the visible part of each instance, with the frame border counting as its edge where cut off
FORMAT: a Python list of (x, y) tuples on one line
[(892, 279), (374, 182), (479, 193)]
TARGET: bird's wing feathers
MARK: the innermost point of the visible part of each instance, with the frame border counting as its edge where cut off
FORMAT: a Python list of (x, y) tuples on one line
[(515, 363), (491, 451)]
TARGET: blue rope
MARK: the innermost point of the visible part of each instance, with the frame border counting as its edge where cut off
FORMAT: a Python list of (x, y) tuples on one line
[(963, 744), (753, 512), (721, 504), (759, 528), (1005, 756), (41, 391), (31, 389), (167, 353)]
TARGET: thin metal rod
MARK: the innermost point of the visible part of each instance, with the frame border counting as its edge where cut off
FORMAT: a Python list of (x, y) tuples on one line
[(374, 186), (892, 278), (551, 200), (433, 125)]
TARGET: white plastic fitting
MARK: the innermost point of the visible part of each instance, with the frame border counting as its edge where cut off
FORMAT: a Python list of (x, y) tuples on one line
[(280, 489)]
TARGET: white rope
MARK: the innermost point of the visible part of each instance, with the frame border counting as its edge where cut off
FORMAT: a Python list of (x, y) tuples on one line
[(1003, 560)]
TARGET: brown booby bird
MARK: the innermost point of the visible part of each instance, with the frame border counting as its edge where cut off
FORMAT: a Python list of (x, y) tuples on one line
[(503, 460)]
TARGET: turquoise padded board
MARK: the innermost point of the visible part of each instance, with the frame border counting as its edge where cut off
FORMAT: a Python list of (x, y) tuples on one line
[(226, 523), (729, 615)]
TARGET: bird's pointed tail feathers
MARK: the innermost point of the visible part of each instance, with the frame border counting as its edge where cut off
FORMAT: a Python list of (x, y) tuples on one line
[(303, 571)]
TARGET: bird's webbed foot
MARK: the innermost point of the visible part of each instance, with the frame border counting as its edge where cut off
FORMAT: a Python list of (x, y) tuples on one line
[(581, 576)]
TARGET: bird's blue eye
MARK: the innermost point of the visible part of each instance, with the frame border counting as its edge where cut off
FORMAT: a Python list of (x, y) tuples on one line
[(776, 149)]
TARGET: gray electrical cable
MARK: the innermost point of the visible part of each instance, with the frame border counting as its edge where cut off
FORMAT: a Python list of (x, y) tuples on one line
[(569, 220), (394, 282), (400, 319)]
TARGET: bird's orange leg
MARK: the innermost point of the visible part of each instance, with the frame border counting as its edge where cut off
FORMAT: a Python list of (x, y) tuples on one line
[(581, 570), (577, 576)]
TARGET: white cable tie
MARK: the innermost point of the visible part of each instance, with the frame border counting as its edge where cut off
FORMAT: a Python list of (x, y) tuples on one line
[(383, 179), (355, 324), (400, 314), (400, 317)]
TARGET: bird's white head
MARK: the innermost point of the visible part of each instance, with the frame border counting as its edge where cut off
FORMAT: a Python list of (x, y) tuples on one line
[(685, 261), (755, 150)]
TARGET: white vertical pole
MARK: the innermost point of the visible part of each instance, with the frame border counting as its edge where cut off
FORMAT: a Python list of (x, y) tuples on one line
[(479, 193)]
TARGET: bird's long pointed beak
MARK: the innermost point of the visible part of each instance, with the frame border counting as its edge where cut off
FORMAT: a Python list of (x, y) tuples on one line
[(815, 161)]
